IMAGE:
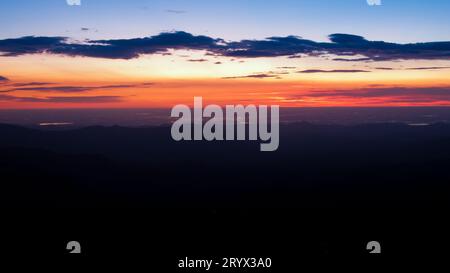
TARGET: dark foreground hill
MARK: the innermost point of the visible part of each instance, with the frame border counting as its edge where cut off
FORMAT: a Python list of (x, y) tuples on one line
[(316, 166)]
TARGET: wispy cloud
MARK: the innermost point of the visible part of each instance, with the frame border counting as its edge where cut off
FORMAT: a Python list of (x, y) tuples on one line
[(308, 71), (440, 92), (287, 67), (37, 87), (3, 79), (176, 11), (80, 99), (24, 84), (197, 60), (429, 68), (254, 76), (352, 59)]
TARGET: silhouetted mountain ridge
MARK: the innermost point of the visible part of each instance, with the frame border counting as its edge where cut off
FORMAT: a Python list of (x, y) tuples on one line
[(390, 165)]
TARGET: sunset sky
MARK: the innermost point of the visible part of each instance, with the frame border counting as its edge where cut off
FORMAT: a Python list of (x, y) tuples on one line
[(125, 54)]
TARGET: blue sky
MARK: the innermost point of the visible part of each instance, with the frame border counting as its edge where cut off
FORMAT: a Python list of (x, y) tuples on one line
[(396, 20)]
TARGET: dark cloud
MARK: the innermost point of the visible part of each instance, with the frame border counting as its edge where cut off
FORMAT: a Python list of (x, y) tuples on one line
[(111, 49), (341, 45), (442, 93), (428, 68), (64, 89), (271, 47), (93, 99), (3, 79), (85, 29), (133, 48), (36, 87), (29, 45), (415, 68), (347, 39), (352, 60), (197, 60), (81, 99), (24, 84), (332, 71), (254, 76), (353, 45)]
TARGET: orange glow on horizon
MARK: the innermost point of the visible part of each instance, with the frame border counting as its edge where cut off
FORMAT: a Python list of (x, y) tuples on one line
[(163, 81)]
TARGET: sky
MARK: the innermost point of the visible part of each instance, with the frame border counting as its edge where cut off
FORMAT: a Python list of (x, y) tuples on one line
[(145, 53)]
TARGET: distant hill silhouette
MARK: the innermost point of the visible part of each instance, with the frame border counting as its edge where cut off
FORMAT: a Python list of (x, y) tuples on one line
[(316, 166)]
